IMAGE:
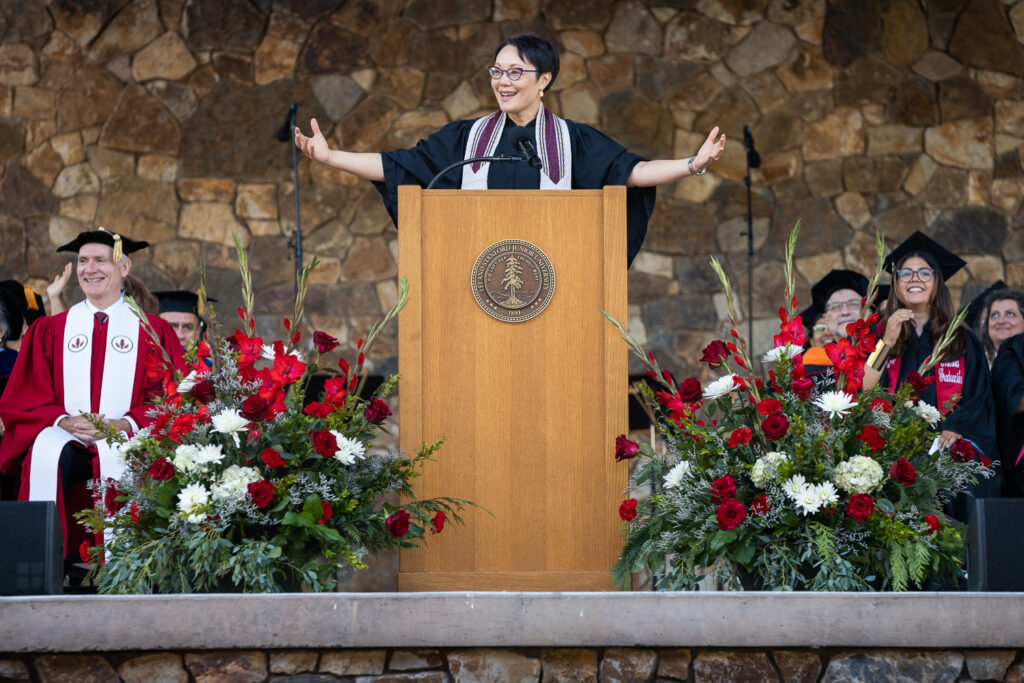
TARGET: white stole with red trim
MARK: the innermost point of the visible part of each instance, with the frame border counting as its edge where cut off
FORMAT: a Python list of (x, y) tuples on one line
[(551, 138), (118, 381)]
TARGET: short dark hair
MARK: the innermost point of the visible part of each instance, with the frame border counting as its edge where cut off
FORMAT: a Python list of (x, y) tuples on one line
[(1015, 295), (538, 51)]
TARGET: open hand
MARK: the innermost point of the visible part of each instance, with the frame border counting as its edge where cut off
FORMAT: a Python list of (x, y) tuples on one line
[(56, 287), (710, 150), (313, 147)]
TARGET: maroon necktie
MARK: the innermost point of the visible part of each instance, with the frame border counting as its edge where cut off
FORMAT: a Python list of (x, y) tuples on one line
[(99, 349)]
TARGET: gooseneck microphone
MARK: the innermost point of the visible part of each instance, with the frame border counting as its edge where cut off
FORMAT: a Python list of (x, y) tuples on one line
[(523, 141), (753, 158)]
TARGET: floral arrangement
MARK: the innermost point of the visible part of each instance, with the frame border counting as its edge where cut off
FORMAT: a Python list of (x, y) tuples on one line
[(791, 484), (237, 484)]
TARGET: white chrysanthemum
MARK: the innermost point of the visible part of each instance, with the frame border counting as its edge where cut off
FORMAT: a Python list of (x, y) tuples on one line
[(807, 499), (794, 485), (859, 474), (835, 402), (348, 449), (268, 352), (185, 385), (234, 483), (230, 421), (766, 468), (191, 501), (827, 493), (787, 350), (210, 453), (185, 457), (720, 387), (676, 475), (928, 413)]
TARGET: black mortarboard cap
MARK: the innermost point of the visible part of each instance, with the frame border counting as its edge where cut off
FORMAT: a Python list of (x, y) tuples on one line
[(809, 316), (120, 243), (833, 282), (181, 301), (21, 304), (882, 292), (948, 262), (975, 304)]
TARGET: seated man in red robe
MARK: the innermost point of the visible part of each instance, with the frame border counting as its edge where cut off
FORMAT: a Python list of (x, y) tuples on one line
[(93, 362)]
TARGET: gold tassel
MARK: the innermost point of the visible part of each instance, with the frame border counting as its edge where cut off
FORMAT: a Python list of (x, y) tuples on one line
[(118, 250), (30, 299)]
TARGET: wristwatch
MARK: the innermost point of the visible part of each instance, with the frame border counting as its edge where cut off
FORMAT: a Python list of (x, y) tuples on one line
[(689, 165)]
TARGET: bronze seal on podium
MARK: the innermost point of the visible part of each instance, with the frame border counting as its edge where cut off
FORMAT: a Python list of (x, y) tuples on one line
[(512, 280)]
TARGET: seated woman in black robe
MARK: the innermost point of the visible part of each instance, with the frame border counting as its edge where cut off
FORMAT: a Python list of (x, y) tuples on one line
[(917, 315), (571, 155), (1008, 392)]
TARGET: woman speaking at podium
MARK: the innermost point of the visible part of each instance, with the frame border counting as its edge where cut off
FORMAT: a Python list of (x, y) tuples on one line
[(560, 154)]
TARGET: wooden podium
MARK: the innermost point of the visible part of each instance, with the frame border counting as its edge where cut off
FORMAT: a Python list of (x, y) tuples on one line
[(530, 409)]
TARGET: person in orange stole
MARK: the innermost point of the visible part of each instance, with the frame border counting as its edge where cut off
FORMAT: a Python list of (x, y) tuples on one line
[(94, 361)]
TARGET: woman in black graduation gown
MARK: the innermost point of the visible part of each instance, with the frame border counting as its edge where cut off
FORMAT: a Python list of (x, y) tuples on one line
[(1008, 392), (917, 315), (572, 155)]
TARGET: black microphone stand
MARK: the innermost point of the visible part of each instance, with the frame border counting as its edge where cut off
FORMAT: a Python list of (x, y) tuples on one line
[(296, 241), (753, 161)]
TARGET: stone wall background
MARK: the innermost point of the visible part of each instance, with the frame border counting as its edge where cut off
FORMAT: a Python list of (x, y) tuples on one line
[(157, 118)]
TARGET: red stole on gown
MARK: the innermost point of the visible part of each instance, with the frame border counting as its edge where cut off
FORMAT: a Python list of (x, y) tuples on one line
[(949, 380)]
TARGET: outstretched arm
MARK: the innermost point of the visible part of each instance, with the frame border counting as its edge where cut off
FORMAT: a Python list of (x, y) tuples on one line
[(366, 165), (661, 171)]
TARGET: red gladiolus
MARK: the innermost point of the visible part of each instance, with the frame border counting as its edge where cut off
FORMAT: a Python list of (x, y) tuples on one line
[(317, 409), (767, 406), (437, 522), (627, 511), (376, 411), (625, 449), (715, 354), (860, 506), (287, 368), (933, 523), (871, 437), (740, 437), (327, 512), (261, 493), (775, 426), (287, 324), (790, 331), (334, 390), (83, 552), (324, 342), (739, 361), (722, 488), (343, 364), (398, 524), (903, 472), (731, 514), (272, 459), (760, 506), (250, 349)]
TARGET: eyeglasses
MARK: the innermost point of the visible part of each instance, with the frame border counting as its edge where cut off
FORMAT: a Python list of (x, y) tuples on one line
[(514, 74), (839, 305), (820, 328), (923, 274)]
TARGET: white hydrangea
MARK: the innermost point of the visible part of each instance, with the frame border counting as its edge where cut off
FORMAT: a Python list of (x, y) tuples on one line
[(348, 449), (787, 350), (859, 474), (720, 387), (928, 413), (675, 476), (185, 458), (192, 500), (234, 483), (766, 468), (835, 403), (230, 421)]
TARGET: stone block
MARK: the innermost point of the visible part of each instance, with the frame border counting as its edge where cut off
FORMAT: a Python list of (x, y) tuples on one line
[(1009, 115), (274, 60), (75, 180), (158, 167), (937, 66), (874, 174), (492, 665), (368, 259), (841, 134), (22, 195), (213, 222), (81, 208), (633, 29), (140, 123), (989, 664), (694, 37), (797, 666), (411, 660), (852, 207), (162, 667), (14, 670), (167, 57), (417, 677), (674, 664), (353, 662), (583, 43), (74, 668), (256, 200), (947, 188), (130, 29), (43, 163), (88, 100), (569, 665), (126, 199), (109, 163), (967, 143), (178, 258), (680, 312), (894, 139), (227, 667), (808, 71), (713, 666), (206, 189), (628, 664), (920, 173), (878, 665), (293, 661), (17, 64)]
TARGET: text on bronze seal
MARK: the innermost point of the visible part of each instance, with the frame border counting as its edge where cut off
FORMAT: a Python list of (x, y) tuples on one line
[(513, 280)]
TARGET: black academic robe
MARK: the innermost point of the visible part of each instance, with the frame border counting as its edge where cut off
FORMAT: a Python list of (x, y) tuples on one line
[(974, 415), (597, 160), (1007, 391)]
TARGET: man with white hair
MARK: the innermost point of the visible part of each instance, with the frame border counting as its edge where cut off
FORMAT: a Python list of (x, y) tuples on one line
[(92, 363)]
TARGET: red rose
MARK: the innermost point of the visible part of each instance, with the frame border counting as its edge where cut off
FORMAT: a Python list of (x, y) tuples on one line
[(775, 426), (722, 488), (802, 388), (731, 514), (324, 342), (690, 390), (933, 523), (376, 411), (860, 507), (261, 493), (327, 512), (398, 524), (627, 511), (317, 409), (881, 404), (767, 406), (760, 506), (272, 459), (203, 391), (255, 408), (740, 437), (963, 451), (625, 449), (110, 498), (324, 443), (438, 522), (161, 469), (918, 382), (135, 512), (83, 552), (871, 437), (715, 354), (903, 472)]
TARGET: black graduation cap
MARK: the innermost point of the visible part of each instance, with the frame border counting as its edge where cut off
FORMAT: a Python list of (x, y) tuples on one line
[(974, 306), (833, 282), (882, 292), (809, 316), (121, 244), (22, 306), (181, 301), (948, 262)]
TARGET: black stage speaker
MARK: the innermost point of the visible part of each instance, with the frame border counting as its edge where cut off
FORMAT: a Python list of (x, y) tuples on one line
[(995, 545), (32, 562)]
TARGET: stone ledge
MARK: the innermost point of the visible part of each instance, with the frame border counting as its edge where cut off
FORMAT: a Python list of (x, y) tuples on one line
[(360, 620)]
